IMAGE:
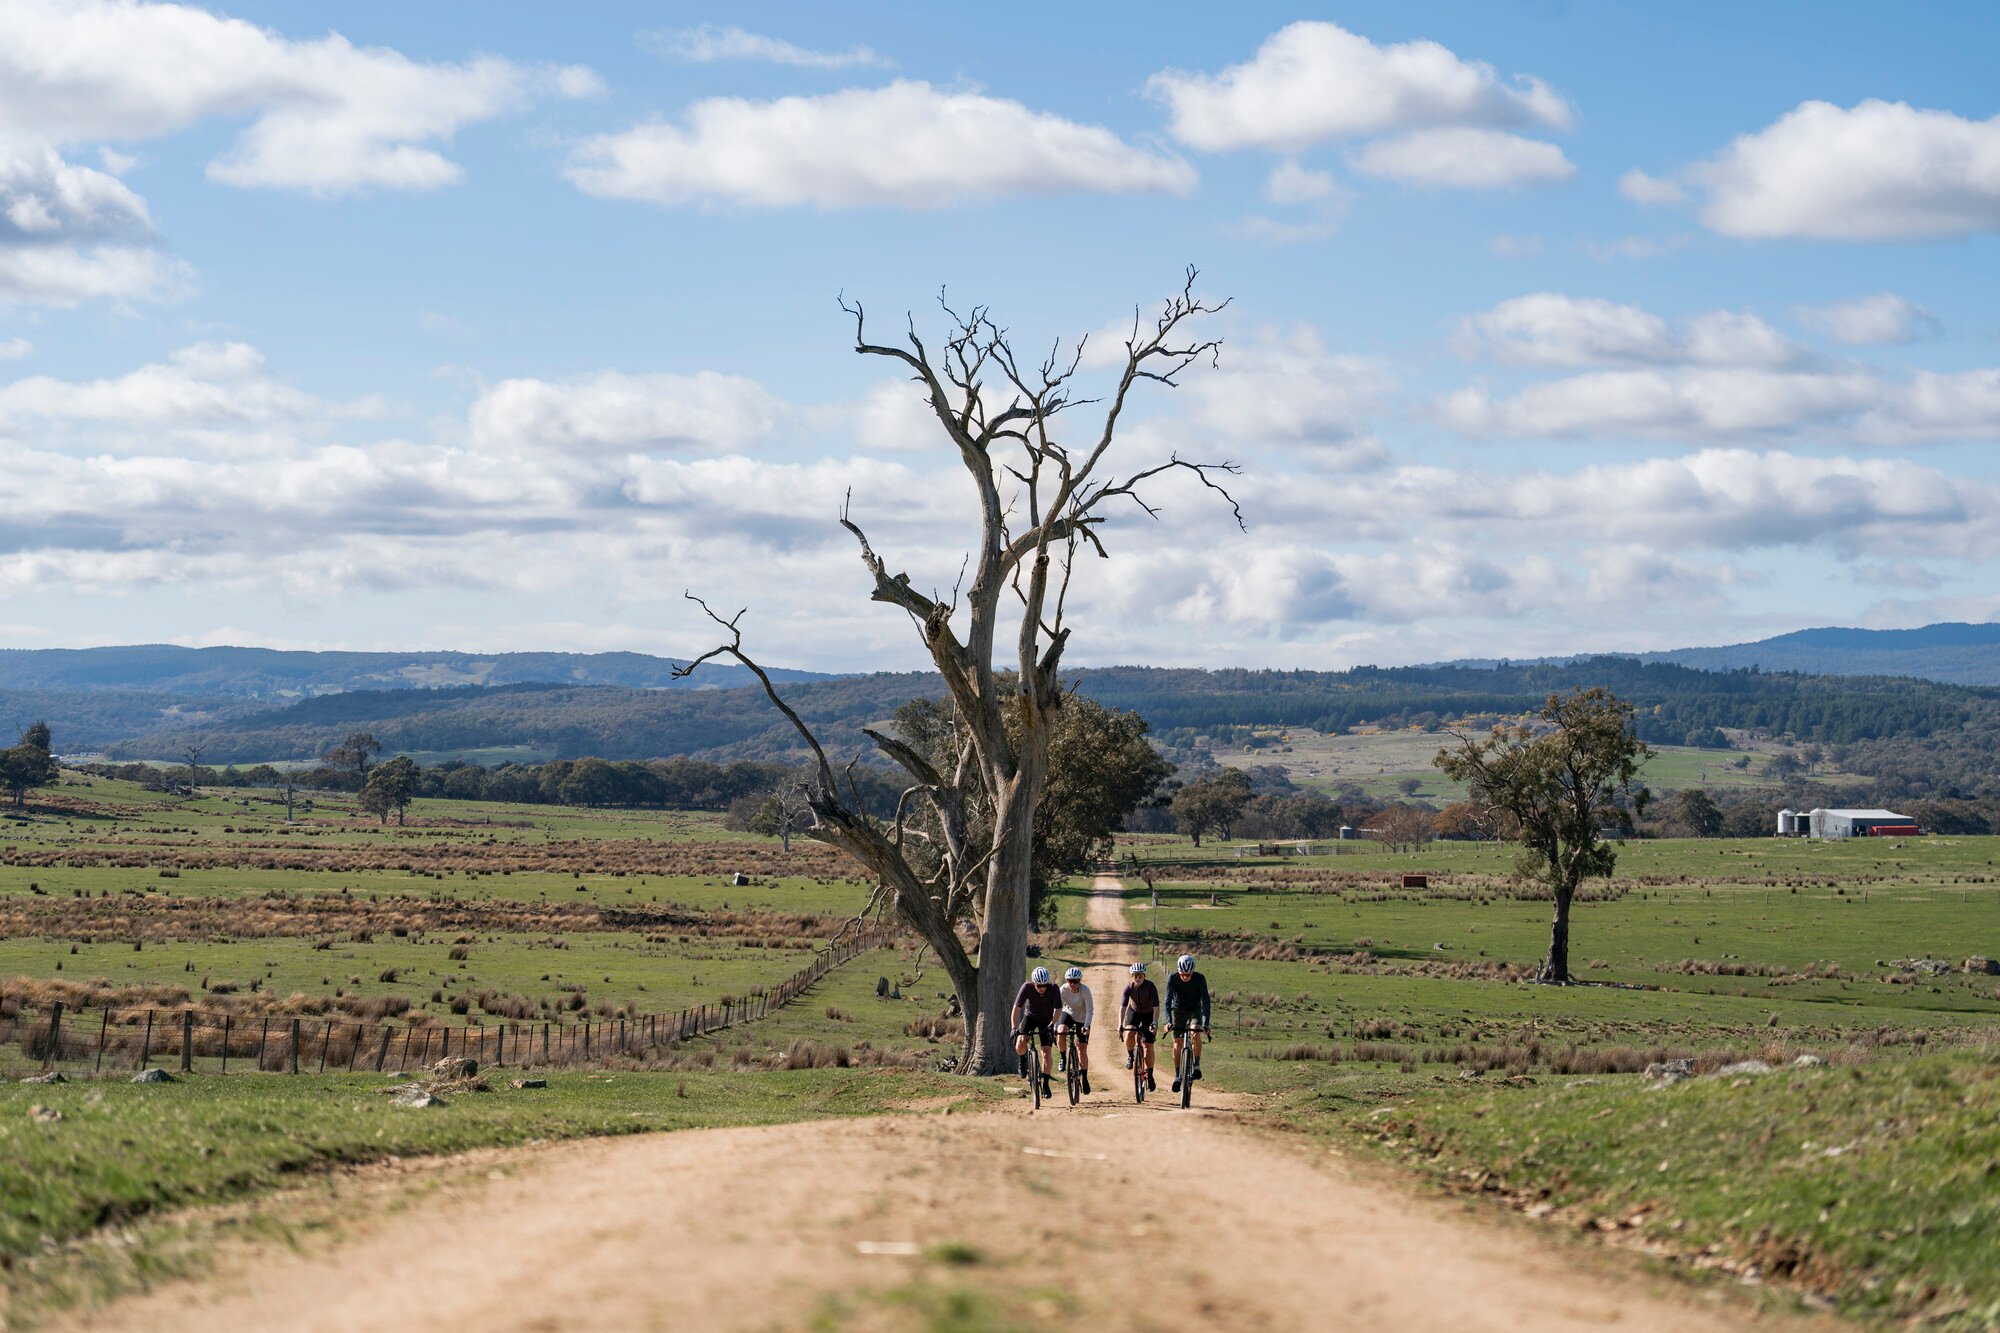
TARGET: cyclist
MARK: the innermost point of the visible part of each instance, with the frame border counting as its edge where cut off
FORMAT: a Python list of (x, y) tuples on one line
[(1035, 1010), (1187, 1011), (1139, 1013), (1076, 1012)]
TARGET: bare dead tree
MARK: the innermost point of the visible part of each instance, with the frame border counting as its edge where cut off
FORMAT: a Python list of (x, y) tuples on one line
[(193, 756), (1043, 495)]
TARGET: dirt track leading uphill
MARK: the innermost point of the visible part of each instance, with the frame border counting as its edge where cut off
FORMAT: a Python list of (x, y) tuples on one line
[(1219, 1224)]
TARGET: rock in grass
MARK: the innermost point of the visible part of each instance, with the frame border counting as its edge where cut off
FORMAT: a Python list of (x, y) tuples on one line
[(53, 1076), (455, 1067), (417, 1097), (1666, 1073), (152, 1076), (1742, 1067), (44, 1113), (1808, 1061), (531, 1083)]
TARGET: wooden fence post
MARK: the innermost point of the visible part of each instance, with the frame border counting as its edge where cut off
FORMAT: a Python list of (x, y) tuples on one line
[(586, 1039), (382, 1051), (103, 1030), (292, 1062), (545, 1043), (325, 1040), (146, 1045), (225, 1043), (55, 1033), (187, 1041), (264, 1043)]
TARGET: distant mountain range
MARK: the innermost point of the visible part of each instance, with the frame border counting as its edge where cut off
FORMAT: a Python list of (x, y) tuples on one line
[(270, 673), (1953, 652)]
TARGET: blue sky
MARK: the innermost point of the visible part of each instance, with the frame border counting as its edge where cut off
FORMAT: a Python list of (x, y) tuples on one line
[(1554, 327)]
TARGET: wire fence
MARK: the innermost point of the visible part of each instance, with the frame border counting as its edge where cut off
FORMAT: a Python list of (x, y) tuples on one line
[(52, 1036)]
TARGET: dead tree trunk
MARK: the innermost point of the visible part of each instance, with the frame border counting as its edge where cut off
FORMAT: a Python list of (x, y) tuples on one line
[(959, 852)]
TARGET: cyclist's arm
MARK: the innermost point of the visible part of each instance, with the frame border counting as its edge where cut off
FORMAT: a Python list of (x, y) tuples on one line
[(1204, 1002)]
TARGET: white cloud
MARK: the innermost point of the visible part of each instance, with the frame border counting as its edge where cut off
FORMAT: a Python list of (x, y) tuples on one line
[(1290, 183), (610, 411), (1882, 318), (206, 384), (1877, 171), (44, 198), (1463, 159), (712, 42), (327, 117), (64, 275), (1314, 81), (908, 145), (13, 349), (1550, 329), (1283, 389), (1641, 188)]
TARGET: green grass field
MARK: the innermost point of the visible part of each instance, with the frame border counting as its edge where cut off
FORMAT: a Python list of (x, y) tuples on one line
[(1342, 997)]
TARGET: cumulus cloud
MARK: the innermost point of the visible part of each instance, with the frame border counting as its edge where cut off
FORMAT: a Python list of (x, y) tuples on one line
[(1551, 329), (714, 42), (13, 349), (1641, 188), (1290, 183), (327, 117), (1463, 159), (610, 411), (1284, 390), (1877, 171), (202, 386), (70, 275), (907, 145), (1882, 318), (1311, 82)]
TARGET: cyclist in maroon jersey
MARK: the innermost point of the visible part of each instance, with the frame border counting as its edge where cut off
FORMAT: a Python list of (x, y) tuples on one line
[(1139, 1013)]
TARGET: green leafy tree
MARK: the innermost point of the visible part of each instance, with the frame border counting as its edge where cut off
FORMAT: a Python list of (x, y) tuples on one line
[(1101, 769), (1559, 785), (356, 753), (1211, 804), (29, 763), (1696, 812), (392, 786)]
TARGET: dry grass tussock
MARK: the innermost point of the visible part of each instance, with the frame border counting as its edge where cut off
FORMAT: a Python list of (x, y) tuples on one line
[(443, 853), (133, 916)]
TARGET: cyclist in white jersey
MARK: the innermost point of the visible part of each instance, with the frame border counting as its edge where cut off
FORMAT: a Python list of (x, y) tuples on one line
[(1077, 1007)]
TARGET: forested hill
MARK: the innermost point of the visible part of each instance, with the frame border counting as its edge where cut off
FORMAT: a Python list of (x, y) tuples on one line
[(1677, 705), (1959, 653), (266, 673)]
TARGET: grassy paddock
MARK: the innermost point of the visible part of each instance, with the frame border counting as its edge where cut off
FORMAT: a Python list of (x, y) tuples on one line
[(1875, 1186)]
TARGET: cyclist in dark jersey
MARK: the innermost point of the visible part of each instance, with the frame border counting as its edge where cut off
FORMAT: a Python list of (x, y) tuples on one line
[(1035, 1009), (1138, 1013), (1187, 1010)]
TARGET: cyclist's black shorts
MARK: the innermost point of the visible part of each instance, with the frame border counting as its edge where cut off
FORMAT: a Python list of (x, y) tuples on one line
[(1066, 1022), (1145, 1027), (1182, 1022), (1031, 1026)]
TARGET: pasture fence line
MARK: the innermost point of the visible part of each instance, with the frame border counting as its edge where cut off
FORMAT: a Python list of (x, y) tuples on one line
[(55, 1036)]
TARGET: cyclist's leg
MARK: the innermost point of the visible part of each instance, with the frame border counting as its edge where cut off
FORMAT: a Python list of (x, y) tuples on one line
[(1048, 1050), (1083, 1049)]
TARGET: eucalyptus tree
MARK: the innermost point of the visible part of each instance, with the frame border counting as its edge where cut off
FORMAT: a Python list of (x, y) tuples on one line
[(1044, 492), (1556, 785)]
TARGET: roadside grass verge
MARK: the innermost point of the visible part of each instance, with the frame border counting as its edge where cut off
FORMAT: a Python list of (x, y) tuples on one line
[(1875, 1188), (121, 1153)]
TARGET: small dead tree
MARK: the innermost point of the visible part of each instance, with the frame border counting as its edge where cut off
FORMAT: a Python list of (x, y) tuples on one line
[(1043, 494), (193, 756)]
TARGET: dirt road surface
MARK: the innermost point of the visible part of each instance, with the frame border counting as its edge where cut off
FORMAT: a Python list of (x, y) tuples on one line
[(1109, 1215)]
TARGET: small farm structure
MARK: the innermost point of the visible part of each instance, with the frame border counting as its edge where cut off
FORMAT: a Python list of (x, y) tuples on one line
[(1823, 823)]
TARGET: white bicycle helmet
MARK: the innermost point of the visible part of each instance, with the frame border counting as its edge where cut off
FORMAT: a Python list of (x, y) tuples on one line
[(1138, 969), (1074, 974), (1186, 963), (1041, 977)]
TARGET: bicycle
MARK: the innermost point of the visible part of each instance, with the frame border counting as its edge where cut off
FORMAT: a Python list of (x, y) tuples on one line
[(1139, 1065), (1184, 1063), (1072, 1065)]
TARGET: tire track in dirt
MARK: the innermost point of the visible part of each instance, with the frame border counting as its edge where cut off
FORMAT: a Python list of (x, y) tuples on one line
[(776, 1227)]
